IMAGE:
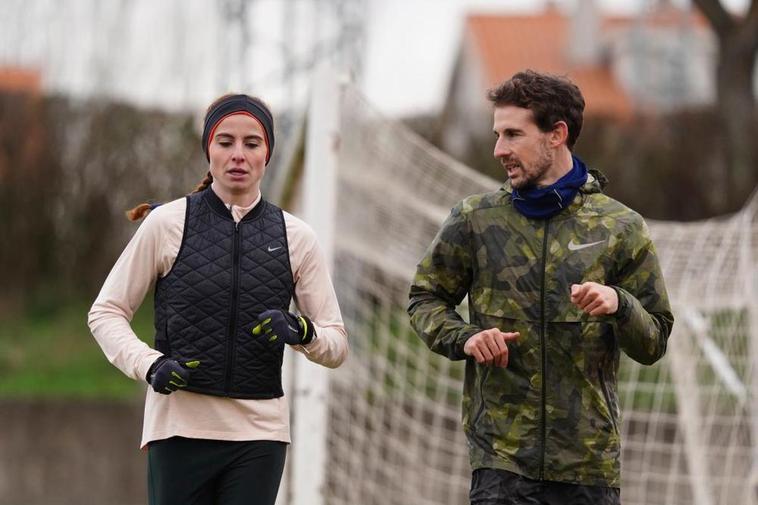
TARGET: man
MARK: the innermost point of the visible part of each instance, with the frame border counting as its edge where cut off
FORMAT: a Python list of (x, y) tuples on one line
[(560, 278)]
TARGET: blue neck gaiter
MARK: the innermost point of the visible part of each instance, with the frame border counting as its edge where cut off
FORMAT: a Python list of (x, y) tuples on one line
[(544, 203)]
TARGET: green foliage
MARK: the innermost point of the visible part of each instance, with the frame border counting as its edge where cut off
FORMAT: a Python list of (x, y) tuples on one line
[(401, 362), (49, 352), (646, 388), (652, 388)]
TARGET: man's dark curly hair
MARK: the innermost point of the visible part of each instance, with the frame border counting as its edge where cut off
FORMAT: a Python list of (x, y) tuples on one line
[(551, 99)]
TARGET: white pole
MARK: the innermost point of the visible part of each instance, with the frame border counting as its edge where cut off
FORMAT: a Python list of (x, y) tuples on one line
[(748, 270), (684, 376), (306, 477)]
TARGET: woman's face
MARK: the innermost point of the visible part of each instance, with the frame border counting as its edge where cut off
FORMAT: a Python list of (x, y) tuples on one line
[(237, 153)]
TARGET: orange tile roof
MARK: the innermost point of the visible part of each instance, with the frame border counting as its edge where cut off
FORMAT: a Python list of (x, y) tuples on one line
[(20, 79), (508, 44)]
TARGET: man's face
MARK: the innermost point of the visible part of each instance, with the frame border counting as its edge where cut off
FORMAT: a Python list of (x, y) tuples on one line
[(524, 151)]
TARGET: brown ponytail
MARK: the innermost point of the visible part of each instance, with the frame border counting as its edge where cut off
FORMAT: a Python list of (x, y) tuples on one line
[(138, 212), (141, 210), (207, 180)]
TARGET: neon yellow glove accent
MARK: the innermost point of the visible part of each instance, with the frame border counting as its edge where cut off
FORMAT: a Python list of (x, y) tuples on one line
[(258, 329)]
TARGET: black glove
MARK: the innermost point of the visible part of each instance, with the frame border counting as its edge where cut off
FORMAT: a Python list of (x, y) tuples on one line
[(286, 327), (166, 375)]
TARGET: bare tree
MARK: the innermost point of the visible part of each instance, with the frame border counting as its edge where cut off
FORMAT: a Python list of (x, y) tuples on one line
[(738, 44)]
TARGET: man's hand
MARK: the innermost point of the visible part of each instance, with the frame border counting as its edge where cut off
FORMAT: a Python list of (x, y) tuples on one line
[(166, 375), (490, 347), (595, 299), (280, 326)]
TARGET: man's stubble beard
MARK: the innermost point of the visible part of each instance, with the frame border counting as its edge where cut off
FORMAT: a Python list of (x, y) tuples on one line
[(542, 166)]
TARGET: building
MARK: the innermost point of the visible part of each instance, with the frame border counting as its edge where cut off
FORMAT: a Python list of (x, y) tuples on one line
[(20, 80), (658, 61)]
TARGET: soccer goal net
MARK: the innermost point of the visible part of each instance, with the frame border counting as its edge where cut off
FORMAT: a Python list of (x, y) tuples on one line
[(393, 409)]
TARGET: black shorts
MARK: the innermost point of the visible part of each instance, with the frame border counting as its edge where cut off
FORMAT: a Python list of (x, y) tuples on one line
[(500, 487), (187, 471)]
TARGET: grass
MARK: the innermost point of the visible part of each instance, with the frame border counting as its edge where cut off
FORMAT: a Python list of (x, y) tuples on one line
[(50, 353)]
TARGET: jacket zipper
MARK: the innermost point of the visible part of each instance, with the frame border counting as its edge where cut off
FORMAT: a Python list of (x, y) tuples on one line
[(607, 396), (230, 340), (543, 338)]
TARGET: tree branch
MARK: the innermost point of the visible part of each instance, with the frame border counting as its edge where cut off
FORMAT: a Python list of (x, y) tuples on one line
[(719, 18)]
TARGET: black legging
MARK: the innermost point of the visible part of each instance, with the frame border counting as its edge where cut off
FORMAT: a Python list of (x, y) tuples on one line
[(186, 471)]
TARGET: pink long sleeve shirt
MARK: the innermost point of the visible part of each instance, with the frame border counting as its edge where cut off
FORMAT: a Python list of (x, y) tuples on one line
[(150, 254)]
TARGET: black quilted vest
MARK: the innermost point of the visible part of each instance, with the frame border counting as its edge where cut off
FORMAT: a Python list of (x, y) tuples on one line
[(225, 274)]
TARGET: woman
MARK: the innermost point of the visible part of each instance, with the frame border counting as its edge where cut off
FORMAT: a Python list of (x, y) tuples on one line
[(226, 264)]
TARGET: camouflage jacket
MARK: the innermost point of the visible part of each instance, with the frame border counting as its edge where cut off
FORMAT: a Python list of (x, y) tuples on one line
[(553, 413)]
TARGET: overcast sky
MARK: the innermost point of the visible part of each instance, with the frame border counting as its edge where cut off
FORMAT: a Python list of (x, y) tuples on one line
[(412, 44), (176, 54)]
